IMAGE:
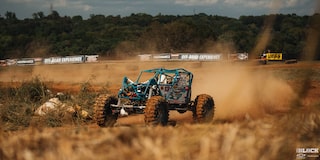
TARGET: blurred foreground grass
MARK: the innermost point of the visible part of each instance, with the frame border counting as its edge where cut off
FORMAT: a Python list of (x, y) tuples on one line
[(274, 137)]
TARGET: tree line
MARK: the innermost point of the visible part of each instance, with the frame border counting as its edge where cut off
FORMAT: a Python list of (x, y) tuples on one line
[(116, 36)]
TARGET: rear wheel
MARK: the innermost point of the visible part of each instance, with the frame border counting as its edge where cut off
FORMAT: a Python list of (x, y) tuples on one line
[(204, 108), (156, 111), (103, 112)]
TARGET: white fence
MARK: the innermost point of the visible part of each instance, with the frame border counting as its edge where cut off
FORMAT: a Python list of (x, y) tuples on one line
[(50, 60), (193, 57), (142, 57)]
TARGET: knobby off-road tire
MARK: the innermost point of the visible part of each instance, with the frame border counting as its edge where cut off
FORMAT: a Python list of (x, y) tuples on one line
[(103, 112), (156, 111), (204, 109)]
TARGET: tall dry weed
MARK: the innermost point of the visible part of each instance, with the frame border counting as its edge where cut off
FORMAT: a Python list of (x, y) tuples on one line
[(18, 103)]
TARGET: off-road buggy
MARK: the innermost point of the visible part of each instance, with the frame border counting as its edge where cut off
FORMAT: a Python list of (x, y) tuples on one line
[(154, 93)]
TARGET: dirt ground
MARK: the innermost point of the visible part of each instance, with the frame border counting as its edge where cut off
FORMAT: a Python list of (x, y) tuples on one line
[(252, 103), (237, 88)]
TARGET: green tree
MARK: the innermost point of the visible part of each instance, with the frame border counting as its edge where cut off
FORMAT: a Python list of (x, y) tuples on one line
[(10, 16)]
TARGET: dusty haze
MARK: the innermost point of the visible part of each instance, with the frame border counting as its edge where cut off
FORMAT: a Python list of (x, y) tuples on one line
[(239, 89)]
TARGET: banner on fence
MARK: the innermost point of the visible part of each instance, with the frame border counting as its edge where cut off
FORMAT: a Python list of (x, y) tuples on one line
[(162, 56), (25, 61), (274, 56), (91, 58), (11, 62), (238, 56), (210, 57), (145, 57), (38, 61), (201, 57), (175, 56), (182, 56), (62, 60), (190, 57), (243, 56)]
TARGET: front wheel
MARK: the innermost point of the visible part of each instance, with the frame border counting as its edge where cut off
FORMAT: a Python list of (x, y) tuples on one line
[(103, 112), (156, 111), (203, 108)]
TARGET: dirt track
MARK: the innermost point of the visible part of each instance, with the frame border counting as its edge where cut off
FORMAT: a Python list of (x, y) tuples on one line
[(239, 89)]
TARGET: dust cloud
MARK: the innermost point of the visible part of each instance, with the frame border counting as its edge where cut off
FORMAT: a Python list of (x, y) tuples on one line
[(242, 91), (239, 90)]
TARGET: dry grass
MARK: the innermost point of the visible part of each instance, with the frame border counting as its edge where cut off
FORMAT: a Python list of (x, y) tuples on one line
[(265, 138), (18, 103)]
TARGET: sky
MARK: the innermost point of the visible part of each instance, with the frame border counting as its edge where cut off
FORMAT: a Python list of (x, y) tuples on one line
[(229, 8)]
